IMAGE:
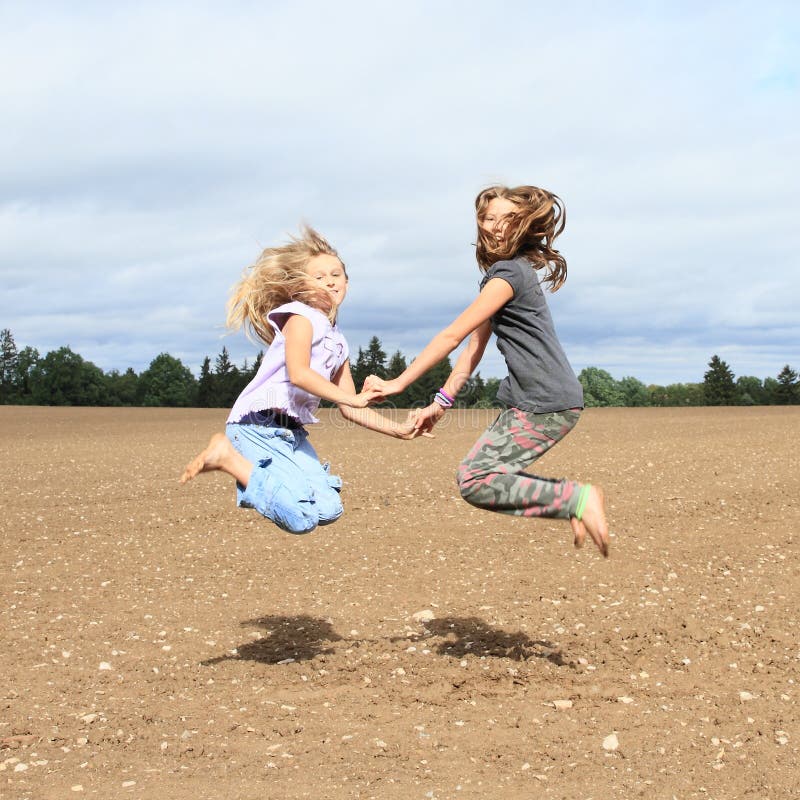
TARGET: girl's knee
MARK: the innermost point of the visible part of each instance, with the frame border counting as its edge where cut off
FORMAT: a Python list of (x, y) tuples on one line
[(298, 526), (293, 513), (302, 515), (326, 497), (294, 518), (468, 486), (330, 513)]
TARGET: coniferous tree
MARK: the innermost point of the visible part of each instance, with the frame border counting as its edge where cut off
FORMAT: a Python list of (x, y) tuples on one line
[(786, 392), (8, 366), (422, 391), (375, 358), (256, 365), (223, 364), (360, 369), (227, 380), (397, 366), (206, 394), (719, 388)]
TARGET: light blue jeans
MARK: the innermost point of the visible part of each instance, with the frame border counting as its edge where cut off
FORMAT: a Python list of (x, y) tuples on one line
[(288, 485)]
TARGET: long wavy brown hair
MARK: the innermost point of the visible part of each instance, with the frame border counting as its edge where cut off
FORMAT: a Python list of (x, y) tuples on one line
[(531, 231), (279, 276)]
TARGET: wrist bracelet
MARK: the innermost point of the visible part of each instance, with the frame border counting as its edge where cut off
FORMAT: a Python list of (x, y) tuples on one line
[(443, 399)]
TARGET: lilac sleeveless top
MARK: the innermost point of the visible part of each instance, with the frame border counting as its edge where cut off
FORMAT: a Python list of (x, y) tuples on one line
[(271, 388)]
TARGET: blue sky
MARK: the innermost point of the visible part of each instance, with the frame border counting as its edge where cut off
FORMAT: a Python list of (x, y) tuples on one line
[(150, 150)]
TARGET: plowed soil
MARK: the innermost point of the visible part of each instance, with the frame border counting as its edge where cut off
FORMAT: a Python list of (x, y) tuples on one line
[(158, 642)]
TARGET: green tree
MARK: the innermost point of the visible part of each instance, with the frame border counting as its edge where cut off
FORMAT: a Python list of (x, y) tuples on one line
[(206, 393), (695, 394), (397, 366), (786, 393), (121, 389), (375, 358), (359, 370), (371, 361), (634, 392), (718, 383), (657, 395), (223, 364), (749, 391), (63, 378), (27, 359), (421, 392), (167, 382), (599, 388), (489, 398), (684, 394), (471, 395), (227, 380), (770, 391), (256, 366), (8, 366)]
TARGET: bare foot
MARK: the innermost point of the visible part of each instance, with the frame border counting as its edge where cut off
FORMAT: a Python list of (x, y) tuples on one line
[(216, 456), (578, 531), (594, 520)]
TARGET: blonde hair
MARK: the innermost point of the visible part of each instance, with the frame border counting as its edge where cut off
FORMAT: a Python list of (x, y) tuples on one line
[(279, 276), (531, 231)]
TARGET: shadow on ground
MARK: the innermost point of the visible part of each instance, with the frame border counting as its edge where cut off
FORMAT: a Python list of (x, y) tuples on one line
[(301, 638), (469, 636)]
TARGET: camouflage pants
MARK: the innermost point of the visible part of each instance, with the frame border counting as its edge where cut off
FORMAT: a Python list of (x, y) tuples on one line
[(491, 475)]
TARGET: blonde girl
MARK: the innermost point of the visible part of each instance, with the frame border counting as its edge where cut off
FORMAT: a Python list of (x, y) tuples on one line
[(289, 300), (542, 399)]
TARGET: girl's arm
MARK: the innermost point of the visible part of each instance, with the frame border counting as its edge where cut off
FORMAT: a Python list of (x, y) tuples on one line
[(298, 333), (371, 419), (465, 365), (492, 298), (469, 359)]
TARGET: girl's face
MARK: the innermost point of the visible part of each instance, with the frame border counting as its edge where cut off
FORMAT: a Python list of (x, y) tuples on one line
[(328, 272), (495, 219)]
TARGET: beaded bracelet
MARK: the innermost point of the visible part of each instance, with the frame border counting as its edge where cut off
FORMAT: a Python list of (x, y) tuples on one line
[(444, 399)]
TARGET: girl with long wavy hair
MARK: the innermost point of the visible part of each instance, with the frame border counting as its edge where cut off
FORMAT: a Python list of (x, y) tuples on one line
[(542, 398), (289, 300)]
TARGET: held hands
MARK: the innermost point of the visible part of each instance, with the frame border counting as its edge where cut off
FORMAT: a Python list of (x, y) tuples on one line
[(420, 421), (383, 387), (411, 428), (365, 397), (426, 418)]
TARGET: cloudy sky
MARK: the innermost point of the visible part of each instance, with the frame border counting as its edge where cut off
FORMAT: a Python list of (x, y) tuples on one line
[(151, 150)]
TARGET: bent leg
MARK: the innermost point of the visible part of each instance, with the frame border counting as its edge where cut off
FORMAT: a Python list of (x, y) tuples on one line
[(325, 487), (277, 487), (218, 455), (492, 477)]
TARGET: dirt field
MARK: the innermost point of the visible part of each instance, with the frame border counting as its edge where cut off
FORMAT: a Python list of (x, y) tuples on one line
[(158, 642)]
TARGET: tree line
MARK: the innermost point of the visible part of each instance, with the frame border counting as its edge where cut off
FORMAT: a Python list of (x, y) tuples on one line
[(62, 377)]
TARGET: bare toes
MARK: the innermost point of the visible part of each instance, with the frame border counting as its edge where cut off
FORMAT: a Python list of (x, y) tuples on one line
[(578, 531)]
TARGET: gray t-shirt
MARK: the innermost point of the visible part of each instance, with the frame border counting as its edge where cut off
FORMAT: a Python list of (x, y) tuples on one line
[(540, 378)]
